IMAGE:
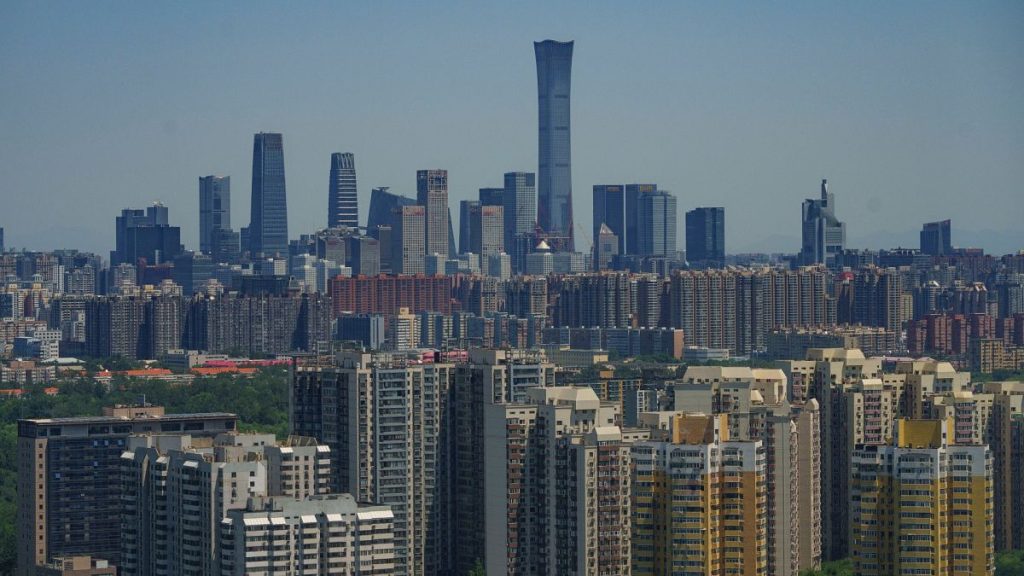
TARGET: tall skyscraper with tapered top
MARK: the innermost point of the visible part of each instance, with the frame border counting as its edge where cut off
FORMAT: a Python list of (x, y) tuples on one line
[(342, 201), (554, 161), (268, 224), (432, 194)]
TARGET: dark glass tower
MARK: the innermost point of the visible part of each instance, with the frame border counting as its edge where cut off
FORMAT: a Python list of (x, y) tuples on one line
[(936, 239), (268, 226), (705, 235), (214, 209), (554, 183), (343, 202), (609, 209)]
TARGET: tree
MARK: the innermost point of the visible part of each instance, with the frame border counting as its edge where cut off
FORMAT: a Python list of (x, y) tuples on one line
[(478, 569)]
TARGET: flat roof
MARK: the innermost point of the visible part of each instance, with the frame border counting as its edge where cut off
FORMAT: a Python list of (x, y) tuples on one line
[(117, 420)]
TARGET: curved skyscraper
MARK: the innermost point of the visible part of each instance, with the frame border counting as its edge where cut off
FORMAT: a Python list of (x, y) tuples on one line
[(554, 183), (343, 202), (268, 226)]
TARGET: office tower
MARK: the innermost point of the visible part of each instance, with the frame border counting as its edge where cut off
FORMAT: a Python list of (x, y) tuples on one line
[(657, 221), (610, 210), (67, 500), (367, 329), (383, 204), (699, 501), (408, 240), (492, 197), (342, 198), (541, 261), (214, 209), (432, 194), (554, 150), (936, 239), (556, 480), (363, 255), (823, 234), (633, 225), (145, 234), (499, 266), (921, 504), (606, 247), (520, 202), (268, 225), (705, 236), (467, 210), (325, 535), (385, 420), (176, 491), (192, 271)]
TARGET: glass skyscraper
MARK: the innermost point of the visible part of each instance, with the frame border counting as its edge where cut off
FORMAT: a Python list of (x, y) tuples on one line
[(214, 209), (268, 225), (657, 224), (705, 235), (609, 209), (432, 194), (520, 203), (554, 187), (343, 201)]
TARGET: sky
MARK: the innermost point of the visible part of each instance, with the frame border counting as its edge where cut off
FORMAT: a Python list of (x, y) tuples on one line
[(914, 111)]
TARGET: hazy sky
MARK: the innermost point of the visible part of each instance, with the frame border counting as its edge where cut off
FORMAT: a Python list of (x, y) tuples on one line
[(913, 111)]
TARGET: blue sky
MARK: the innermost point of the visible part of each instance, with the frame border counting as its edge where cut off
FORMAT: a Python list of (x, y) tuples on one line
[(912, 110)]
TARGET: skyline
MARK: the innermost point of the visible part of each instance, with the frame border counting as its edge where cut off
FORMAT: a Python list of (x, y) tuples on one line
[(885, 108)]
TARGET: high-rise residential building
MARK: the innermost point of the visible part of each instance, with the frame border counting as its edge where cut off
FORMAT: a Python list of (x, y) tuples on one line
[(705, 236), (384, 418), (872, 297), (657, 220), (556, 481), (632, 212), (432, 194), (327, 535), (408, 244), (492, 197), (176, 492), (268, 224), (554, 149), (824, 235), (936, 238), (68, 501), (920, 504), (520, 202), (610, 210), (214, 209), (342, 198), (467, 210), (699, 501), (1007, 444)]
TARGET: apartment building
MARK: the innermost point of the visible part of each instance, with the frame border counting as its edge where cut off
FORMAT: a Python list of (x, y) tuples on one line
[(68, 469), (699, 501), (921, 504), (325, 535)]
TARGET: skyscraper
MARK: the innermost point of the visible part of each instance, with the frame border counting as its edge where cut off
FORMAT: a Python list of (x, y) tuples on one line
[(492, 196), (343, 201), (823, 234), (633, 194), (520, 214), (432, 194), (705, 235), (554, 75), (468, 209), (609, 209), (268, 226), (214, 209), (145, 235), (936, 239), (407, 240), (657, 223)]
